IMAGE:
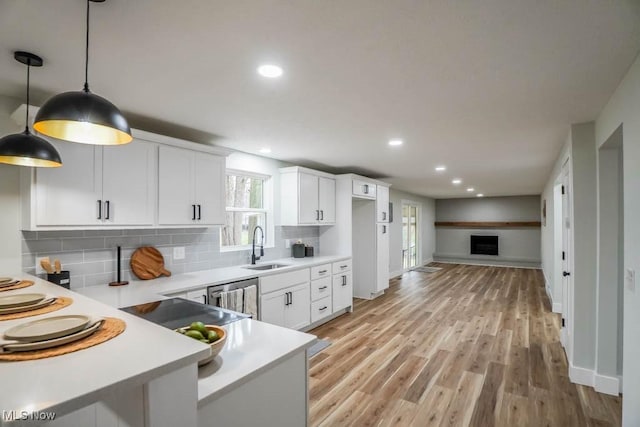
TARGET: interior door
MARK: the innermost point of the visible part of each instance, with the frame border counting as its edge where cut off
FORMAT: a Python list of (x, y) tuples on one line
[(409, 236), (70, 195), (298, 312), (308, 199), (567, 281), (327, 200), (382, 257), (209, 179), (175, 192), (128, 183)]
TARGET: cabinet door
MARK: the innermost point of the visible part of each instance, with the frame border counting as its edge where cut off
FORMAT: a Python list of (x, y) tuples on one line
[(272, 308), (209, 188), (70, 195), (199, 295), (342, 292), (382, 257), (175, 191), (298, 312), (308, 199), (364, 189), (382, 204), (327, 200), (128, 184)]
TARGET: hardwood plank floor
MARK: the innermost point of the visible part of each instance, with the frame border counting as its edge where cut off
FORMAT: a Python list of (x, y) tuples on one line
[(468, 345)]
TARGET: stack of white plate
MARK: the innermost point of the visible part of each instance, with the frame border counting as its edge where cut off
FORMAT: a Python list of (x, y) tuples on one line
[(23, 302), (49, 332), (5, 282)]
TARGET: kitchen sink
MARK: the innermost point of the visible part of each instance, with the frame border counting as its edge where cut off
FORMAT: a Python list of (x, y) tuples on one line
[(266, 266)]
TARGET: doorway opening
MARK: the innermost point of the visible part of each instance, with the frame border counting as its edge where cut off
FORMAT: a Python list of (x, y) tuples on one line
[(410, 235)]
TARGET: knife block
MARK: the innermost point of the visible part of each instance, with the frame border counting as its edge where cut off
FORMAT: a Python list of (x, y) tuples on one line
[(61, 279)]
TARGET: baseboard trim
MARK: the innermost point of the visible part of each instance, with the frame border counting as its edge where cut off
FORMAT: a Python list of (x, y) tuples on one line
[(395, 274), (606, 384), (468, 262), (581, 376)]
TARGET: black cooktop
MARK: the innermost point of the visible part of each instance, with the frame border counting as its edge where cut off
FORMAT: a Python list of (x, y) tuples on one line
[(175, 313)]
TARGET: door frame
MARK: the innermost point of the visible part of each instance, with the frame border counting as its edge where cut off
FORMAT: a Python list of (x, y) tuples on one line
[(567, 332), (418, 207)]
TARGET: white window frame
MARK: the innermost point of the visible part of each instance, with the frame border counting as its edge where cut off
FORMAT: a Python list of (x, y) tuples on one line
[(267, 208)]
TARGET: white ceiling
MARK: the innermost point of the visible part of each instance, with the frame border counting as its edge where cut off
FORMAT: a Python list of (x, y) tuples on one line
[(487, 88)]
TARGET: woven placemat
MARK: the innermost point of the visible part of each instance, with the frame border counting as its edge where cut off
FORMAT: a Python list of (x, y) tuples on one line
[(22, 284), (59, 303), (111, 328)]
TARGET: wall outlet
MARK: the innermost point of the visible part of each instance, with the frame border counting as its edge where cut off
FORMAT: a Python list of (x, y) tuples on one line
[(630, 279), (178, 253), (287, 243), (39, 269)]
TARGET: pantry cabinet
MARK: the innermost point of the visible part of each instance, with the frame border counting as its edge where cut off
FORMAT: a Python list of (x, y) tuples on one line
[(308, 197), (382, 204), (190, 187)]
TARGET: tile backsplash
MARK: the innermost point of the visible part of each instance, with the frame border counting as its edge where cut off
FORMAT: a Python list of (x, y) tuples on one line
[(90, 255)]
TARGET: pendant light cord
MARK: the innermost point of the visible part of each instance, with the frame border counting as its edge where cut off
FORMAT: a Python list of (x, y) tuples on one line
[(86, 54), (26, 120)]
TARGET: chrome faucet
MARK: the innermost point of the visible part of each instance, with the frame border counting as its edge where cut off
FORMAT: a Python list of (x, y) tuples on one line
[(255, 258)]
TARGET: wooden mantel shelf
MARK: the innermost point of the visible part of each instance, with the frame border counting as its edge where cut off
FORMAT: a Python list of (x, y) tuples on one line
[(488, 224)]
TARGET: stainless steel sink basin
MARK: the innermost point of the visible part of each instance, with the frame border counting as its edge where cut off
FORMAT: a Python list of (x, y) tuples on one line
[(265, 266)]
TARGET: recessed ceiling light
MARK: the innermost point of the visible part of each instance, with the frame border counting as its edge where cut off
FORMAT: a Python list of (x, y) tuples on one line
[(396, 142), (269, 70), (456, 181), (441, 168), (265, 150), (479, 195), (470, 189)]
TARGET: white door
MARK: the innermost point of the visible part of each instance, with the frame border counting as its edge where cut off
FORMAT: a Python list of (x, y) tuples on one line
[(71, 195), (382, 257), (209, 189), (342, 291), (308, 199), (273, 307), (327, 200), (382, 204), (128, 183), (175, 186), (567, 282), (410, 241), (298, 312)]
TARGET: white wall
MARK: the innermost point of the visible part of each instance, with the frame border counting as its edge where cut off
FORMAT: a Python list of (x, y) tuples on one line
[(623, 109), (10, 249), (427, 229), (518, 246)]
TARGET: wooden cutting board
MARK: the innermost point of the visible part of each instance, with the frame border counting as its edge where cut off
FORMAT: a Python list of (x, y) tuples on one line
[(148, 263)]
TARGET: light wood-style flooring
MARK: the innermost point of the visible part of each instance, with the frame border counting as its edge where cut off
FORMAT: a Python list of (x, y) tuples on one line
[(468, 345)]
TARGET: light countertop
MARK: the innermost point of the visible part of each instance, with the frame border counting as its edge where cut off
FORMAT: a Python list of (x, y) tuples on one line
[(65, 383), (143, 291)]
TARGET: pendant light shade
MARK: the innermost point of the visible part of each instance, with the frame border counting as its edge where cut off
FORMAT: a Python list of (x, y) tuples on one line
[(82, 116), (27, 149)]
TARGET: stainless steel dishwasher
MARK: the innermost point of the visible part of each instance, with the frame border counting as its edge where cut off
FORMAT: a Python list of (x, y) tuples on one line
[(249, 298)]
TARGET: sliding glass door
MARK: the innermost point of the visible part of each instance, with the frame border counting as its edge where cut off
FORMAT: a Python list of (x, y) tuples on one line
[(409, 235)]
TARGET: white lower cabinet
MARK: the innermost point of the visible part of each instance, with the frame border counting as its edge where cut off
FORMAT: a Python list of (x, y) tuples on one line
[(199, 295), (342, 291), (321, 308), (288, 307)]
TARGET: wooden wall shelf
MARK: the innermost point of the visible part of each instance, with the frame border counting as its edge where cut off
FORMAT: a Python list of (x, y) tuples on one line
[(488, 224)]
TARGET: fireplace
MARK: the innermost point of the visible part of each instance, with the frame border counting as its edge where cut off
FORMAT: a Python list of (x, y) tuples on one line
[(484, 245)]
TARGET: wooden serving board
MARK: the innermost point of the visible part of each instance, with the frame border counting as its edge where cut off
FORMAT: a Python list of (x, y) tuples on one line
[(148, 263)]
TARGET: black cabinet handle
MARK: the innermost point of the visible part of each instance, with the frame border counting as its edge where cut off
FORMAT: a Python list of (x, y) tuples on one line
[(317, 215), (199, 212), (204, 299), (99, 209), (286, 298), (566, 273), (322, 271), (321, 215), (384, 229), (366, 189), (290, 298), (343, 266), (322, 288), (107, 206), (193, 218), (384, 216), (344, 280), (323, 308)]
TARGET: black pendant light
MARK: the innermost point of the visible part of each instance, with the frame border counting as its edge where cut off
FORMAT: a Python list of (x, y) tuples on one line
[(83, 116), (27, 149)]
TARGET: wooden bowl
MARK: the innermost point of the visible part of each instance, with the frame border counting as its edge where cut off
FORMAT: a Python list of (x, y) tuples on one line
[(216, 347)]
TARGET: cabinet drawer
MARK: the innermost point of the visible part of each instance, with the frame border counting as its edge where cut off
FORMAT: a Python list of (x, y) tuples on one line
[(284, 280), (364, 189), (341, 266), (320, 271), (320, 309), (320, 288)]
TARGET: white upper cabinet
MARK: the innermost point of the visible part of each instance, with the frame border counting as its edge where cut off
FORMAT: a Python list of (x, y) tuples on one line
[(364, 189), (307, 197), (96, 186), (382, 203), (190, 188)]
